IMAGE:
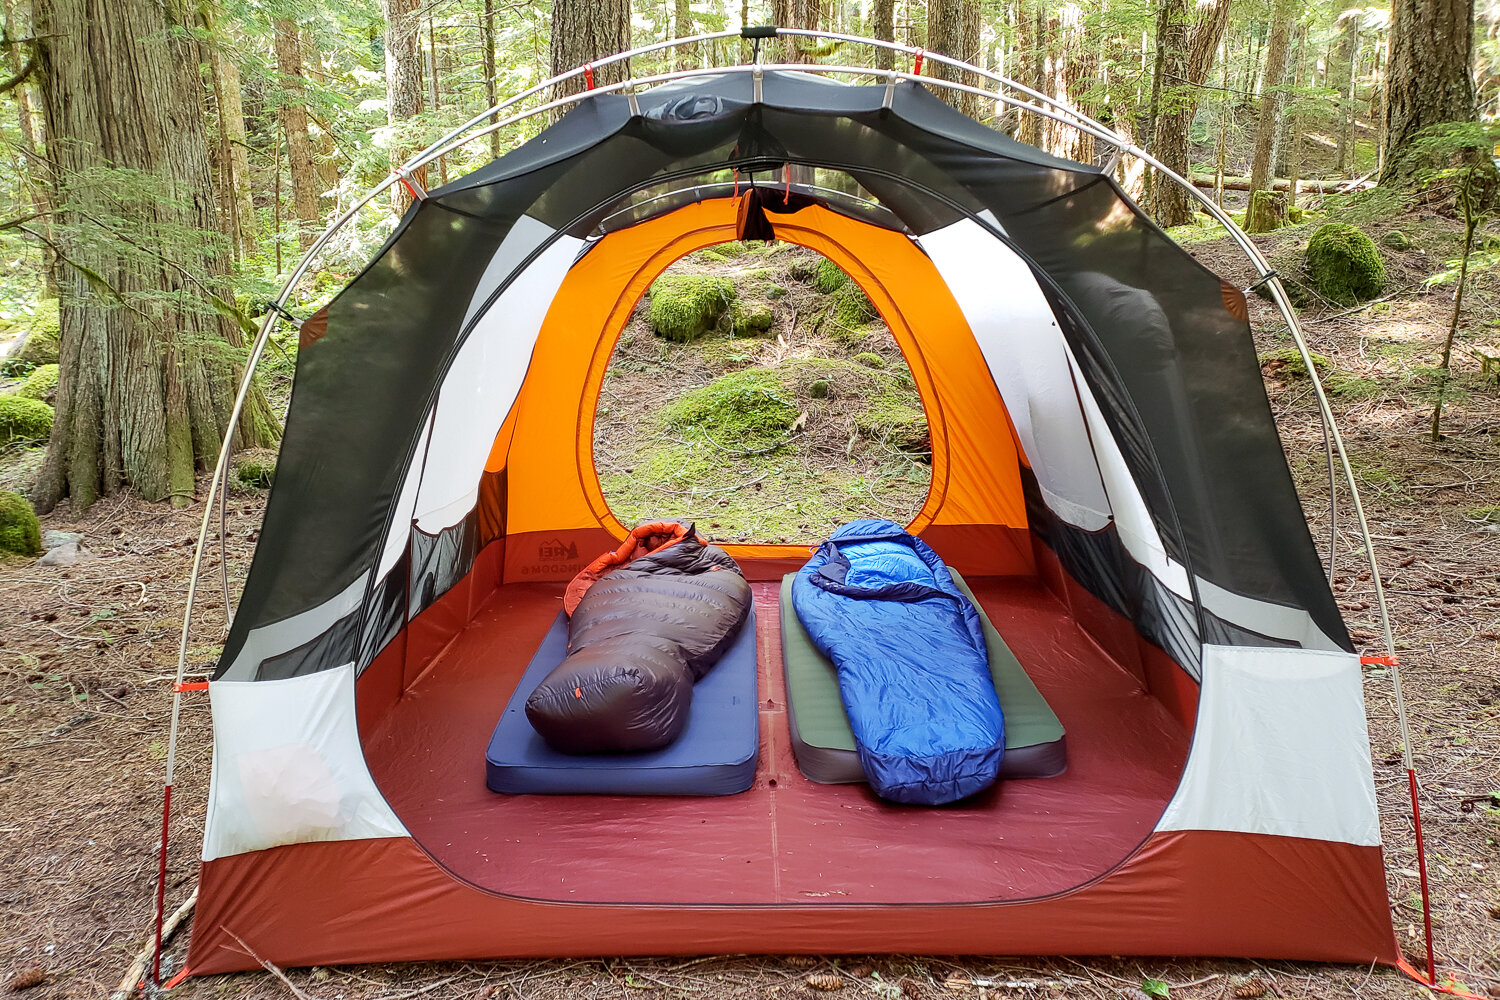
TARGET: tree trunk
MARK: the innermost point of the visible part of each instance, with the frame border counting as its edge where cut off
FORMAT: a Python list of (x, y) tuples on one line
[(682, 26), (583, 30), (293, 115), (883, 27), (403, 85), (487, 45), (1347, 60), (236, 151), (144, 395), (1429, 79), (1185, 75), (949, 25), (795, 14), (1030, 31), (325, 144), (1267, 211), (31, 142), (1270, 95)]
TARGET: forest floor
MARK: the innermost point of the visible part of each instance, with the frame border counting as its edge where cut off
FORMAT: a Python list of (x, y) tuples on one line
[(87, 653)]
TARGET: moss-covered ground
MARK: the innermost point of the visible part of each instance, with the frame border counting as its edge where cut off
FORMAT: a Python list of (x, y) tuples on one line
[(776, 432)]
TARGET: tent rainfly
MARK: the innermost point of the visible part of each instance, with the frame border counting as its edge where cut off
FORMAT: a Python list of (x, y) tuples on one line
[(1105, 472)]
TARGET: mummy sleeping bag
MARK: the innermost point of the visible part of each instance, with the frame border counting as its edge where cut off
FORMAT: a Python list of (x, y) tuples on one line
[(645, 622), (912, 665)]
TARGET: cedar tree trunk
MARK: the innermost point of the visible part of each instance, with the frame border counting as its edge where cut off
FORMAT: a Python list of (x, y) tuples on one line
[(1430, 77), (148, 377)]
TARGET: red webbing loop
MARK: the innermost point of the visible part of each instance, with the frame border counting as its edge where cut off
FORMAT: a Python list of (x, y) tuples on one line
[(916, 66), (183, 974), (1451, 989), (190, 686), (1378, 661), (588, 75), (789, 181)]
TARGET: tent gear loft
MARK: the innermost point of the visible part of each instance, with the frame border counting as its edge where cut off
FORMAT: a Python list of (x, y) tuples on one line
[(1107, 477)]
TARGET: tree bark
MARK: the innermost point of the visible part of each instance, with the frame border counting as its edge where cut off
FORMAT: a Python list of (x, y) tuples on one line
[(682, 26), (883, 27), (1347, 61), (293, 116), (487, 45), (584, 30), (1270, 95), (795, 14), (953, 30), (232, 116), (1428, 79), (403, 85), (147, 385), (325, 144)]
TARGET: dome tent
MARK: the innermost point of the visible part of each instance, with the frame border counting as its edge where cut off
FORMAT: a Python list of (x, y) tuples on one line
[(1105, 469)]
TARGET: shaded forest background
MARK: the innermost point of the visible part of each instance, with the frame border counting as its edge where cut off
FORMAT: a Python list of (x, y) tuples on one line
[(163, 165)]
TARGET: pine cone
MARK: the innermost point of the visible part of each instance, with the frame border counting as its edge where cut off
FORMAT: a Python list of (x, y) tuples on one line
[(861, 971), (825, 981), (1250, 989), (27, 978), (801, 961), (911, 988)]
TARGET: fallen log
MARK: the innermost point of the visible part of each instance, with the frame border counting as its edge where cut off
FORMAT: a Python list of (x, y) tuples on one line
[(1281, 184)]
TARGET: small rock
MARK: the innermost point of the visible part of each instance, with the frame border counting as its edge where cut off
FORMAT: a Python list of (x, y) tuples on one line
[(27, 978), (66, 555), (56, 539)]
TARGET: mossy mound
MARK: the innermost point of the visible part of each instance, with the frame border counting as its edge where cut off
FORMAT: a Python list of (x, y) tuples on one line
[(256, 468), (41, 383), (869, 359), (744, 407), (1288, 361), (20, 531), (43, 338), (1343, 264), (829, 277), (1396, 240), (750, 319), (686, 306), (23, 419), (722, 252)]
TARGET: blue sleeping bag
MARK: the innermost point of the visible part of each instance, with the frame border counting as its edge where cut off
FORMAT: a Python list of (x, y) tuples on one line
[(911, 659)]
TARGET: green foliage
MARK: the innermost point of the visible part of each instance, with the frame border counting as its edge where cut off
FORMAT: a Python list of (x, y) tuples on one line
[(686, 306), (1487, 514), (1344, 264), (749, 319), (41, 383), (745, 406), (1291, 363), (23, 419), (43, 341), (829, 277), (869, 359), (820, 388), (1155, 988), (256, 468), (1396, 240), (20, 531)]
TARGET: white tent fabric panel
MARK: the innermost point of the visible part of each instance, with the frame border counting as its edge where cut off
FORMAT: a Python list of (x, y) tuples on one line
[(288, 767), (280, 637), (1027, 357), (482, 384), (1280, 748)]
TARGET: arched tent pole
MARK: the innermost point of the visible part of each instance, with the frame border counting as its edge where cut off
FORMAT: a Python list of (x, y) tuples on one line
[(1049, 108)]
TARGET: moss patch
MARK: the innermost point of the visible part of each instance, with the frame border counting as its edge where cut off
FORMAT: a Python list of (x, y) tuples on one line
[(744, 408), (1344, 264), (41, 383), (256, 468), (869, 359), (829, 277), (750, 319), (43, 339), (23, 419), (686, 306), (20, 531), (1288, 361)]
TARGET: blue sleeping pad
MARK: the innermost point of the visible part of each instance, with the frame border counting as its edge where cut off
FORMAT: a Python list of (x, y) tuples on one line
[(912, 666)]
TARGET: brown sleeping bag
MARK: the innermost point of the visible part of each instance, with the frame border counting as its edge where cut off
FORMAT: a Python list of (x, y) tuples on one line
[(645, 622)]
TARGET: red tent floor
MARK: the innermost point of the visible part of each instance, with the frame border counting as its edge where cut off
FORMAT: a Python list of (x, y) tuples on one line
[(787, 839)]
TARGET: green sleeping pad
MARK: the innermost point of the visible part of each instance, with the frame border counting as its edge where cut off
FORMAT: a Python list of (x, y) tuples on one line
[(824, 743)]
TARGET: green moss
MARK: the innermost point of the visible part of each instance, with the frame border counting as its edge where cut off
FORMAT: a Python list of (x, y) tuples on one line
[(1350, 388), (895, 415), (1291, 362), (23, 419), (1344, 264), (774, 291), (739, 409), (1488, 514), (869, 359), (819, 388), (829, 277), (20, 531), (40, 383), (44, 339), (1396, 240), (750, 319), (256, 468), (720, 253), (686, 306)]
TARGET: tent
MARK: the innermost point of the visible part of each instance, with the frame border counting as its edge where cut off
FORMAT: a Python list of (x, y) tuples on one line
[(1106, 474)]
